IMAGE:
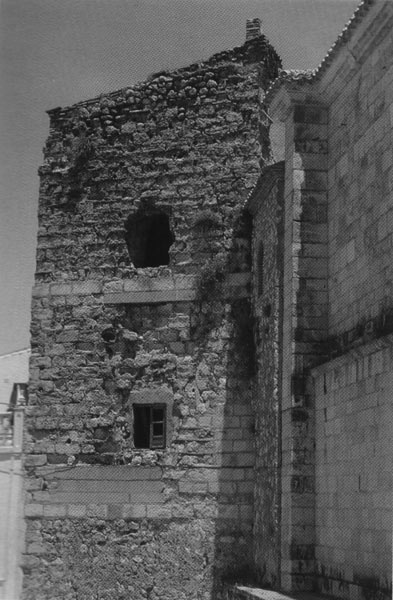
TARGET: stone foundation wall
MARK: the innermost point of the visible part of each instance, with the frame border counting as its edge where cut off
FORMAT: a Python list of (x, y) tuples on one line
[(81, 458), (156, 558)]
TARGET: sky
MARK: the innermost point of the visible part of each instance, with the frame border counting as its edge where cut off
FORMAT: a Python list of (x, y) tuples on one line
[(58, 52)]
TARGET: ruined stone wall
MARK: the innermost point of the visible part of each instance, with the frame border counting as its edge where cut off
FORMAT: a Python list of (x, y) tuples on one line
[(266, 206), (103, 516), (185, 143)]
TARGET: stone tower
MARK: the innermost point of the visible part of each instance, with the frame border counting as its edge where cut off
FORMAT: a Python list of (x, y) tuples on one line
[(140, 449)]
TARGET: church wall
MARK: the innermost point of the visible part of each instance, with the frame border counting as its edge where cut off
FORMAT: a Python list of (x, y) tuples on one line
[(348, 518), (354, 419), (360, 186), (353, 390), (304, 331)]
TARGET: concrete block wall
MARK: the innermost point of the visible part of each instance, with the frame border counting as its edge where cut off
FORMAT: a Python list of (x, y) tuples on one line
[(354, 420)]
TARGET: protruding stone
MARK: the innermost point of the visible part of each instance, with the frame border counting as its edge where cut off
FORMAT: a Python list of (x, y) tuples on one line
[(253, 28)]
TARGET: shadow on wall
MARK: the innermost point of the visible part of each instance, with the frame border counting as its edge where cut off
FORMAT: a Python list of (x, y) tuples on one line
[(223, 326), (233, 542)]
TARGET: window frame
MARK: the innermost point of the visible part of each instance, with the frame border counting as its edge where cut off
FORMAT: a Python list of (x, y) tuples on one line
[(162, 395), (156, 442)]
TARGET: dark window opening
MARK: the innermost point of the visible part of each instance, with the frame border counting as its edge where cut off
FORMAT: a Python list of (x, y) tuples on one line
[(149, 425), (260, 269), (148, 239)]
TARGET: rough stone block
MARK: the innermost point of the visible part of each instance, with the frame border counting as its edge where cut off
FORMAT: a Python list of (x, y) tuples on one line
[(97, 510), (35, 460), (34, 510), (85, 288), (309, 161), (134, 511), (193, 487), (158, 512), (76, 510), (228, 511), (307, 113), (60, 289), (41, 290), (311, 180), (51, 510), (114, 473)]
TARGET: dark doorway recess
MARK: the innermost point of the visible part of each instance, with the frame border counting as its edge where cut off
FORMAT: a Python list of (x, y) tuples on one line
[(148, 239)]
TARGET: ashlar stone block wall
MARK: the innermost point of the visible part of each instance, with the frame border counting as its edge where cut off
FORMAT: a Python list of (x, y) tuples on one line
[(337, 315), (353, 472), (360, 182), (303, 319), (105, 518), (354, 412)]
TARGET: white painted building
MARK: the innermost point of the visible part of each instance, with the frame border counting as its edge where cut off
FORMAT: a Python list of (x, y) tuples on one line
[(14, 369)]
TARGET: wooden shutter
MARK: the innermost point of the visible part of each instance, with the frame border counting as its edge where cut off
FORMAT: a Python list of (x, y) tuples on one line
[(157, 426)]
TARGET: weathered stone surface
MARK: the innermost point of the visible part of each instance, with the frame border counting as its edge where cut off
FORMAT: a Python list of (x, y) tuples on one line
[(113, 331), (266, 206), (124, 559)]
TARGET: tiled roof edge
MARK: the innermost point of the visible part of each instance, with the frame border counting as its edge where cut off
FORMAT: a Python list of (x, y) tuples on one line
[(273, 170), (311, 75)]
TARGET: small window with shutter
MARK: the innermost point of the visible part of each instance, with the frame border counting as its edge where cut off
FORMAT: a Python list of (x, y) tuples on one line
[(149, 426)]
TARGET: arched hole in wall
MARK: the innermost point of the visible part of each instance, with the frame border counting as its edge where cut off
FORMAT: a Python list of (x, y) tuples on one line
[(260, 269), (148, 238)]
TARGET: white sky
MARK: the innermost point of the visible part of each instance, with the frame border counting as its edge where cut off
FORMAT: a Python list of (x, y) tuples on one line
[(57, 52)]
